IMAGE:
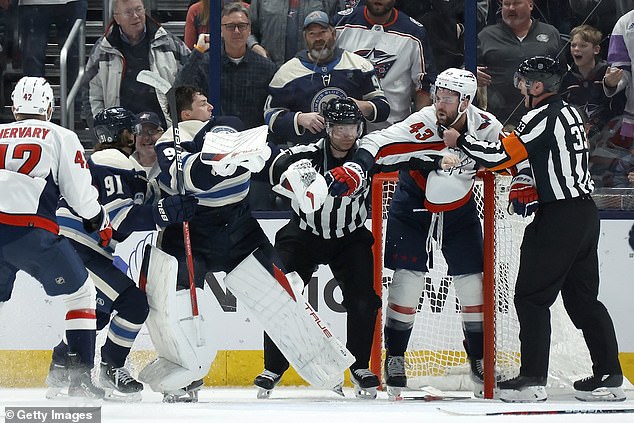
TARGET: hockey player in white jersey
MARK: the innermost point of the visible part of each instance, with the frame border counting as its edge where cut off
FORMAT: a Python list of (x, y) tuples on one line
[(39, 162), (414, 145)]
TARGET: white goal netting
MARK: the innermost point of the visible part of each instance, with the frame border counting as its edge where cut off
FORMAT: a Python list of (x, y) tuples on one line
[(436, 354)]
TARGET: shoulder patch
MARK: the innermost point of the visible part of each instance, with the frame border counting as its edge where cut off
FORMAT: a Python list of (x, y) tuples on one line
[(346, 12), (222, 129), (416, 22), (112, 158)]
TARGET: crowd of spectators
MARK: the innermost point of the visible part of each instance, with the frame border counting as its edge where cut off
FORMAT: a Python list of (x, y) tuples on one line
[(273, 68)]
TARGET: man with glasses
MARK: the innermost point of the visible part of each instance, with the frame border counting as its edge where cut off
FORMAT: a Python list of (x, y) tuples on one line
[(144, 153), (245, 75), (132, 42), (428, 203)]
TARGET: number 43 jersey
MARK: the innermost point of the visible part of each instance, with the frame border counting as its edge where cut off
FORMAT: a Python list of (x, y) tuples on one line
[(39, 161), (416, 145)]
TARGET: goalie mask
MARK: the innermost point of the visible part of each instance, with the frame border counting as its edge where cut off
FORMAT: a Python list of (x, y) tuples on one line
[(33, 96), (111, 122), (460, 81), (344, 123)]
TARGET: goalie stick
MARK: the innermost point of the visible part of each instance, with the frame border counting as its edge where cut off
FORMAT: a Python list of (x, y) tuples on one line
[(539, 412), (158, 83)]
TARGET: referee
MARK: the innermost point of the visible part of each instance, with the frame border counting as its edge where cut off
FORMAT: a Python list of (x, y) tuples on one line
[(559, 249), (335, 234)]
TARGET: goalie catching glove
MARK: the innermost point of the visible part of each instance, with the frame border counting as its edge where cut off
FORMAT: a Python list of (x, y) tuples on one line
[(174, 209), (301, 182), (346, 180), (523, 198), (100, 223)]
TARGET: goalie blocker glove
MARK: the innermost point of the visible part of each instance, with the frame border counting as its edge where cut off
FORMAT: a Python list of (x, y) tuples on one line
[(523, 198), (345, 180), (174, 209), (100, 223)]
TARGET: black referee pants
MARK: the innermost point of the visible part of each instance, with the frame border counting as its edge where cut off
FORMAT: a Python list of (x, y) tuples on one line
[(559, 253), (350, 260)]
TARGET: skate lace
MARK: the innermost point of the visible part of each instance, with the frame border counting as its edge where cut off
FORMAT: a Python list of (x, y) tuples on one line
[(363, 373), (269, 375), (396, 366), (122, 376)]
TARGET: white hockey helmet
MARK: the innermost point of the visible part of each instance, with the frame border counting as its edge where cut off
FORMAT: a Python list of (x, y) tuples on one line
[(459, 80), (32, 95)]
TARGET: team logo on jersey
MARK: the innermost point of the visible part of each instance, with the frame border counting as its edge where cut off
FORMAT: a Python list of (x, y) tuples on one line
[(381, 60), (223, 129), (542, 38), (323, 96), (60, 280), (485, 122)]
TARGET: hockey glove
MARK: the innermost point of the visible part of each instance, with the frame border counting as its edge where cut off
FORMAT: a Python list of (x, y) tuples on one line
[(174, 209), (100, 223), (345, 180), (523, 199)]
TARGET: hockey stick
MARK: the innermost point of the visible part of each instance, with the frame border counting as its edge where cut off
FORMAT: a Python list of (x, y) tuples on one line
[(158, 83), (540, 412)]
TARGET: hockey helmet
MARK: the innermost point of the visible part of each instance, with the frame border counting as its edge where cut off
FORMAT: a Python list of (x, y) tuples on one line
[(32, 95), (338, 111), (459, 80), (110, 123), (540, 68)]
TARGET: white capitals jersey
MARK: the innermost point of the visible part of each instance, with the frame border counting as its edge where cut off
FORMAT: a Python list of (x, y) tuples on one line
[(398, 50), (39, 161), (418, 137)]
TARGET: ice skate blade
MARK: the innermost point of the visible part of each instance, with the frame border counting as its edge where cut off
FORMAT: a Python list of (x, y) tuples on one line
[(55, 392), (528, 394), (264, 393), (601, 395), (365, 393), (338, 390), (191, 397), (394, 393), (116, 396)]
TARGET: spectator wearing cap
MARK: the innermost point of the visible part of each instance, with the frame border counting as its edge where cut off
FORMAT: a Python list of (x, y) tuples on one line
[(149, 132), (315, 75), (245, 75), (277, 25)]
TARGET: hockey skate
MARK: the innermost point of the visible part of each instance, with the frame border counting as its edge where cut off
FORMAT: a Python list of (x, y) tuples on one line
[(265, 382), (118, 384), (395, 377), (477, 376), (365, 383), (600, 388), (57, 380), (523, 389), (81, 380), (186, 394)]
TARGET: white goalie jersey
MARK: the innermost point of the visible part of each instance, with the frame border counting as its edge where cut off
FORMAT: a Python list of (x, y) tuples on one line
[(417, 137)]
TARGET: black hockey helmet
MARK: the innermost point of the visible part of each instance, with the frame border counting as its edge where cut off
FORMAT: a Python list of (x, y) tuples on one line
[(110, 123), (540, 68), (342, 110)]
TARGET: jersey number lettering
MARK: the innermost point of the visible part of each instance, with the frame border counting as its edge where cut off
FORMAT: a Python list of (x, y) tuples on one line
[(30, 153), (580, 139), (113, 185), (415, 128), (79, 159)]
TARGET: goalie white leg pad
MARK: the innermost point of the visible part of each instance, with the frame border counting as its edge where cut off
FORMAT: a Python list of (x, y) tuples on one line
[(304, 339), (171, 327)]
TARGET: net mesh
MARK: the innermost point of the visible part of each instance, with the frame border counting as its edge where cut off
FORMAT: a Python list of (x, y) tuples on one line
[(436, 355)]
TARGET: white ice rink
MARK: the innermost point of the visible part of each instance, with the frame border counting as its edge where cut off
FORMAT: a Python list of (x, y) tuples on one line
[(302, 405)]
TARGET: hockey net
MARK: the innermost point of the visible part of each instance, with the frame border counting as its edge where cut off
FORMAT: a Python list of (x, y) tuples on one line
[(436, 355)]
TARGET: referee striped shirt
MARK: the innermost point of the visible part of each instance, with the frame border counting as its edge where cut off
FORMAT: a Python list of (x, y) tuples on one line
[(338, 217), (553, 139)]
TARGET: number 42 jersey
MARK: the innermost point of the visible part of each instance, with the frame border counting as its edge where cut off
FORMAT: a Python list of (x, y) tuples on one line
[(39, 161)]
